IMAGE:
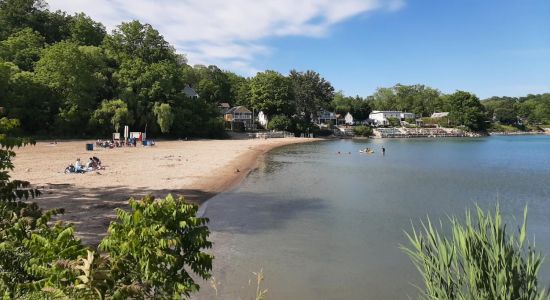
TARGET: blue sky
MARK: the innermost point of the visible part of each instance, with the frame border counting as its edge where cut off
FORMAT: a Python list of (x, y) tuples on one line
[(488, 47)]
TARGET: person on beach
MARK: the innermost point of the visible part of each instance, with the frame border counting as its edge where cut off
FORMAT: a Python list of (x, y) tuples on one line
[(78, 166), (383, 151), (90, 165), (97, 162)]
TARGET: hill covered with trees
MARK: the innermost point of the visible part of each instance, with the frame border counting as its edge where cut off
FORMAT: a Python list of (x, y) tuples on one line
[(65, 76)]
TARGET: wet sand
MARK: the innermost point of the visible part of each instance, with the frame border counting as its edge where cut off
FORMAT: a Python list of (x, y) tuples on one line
[(196, 170)]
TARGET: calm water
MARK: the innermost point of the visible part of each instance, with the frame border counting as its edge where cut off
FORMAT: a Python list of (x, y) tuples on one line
[(329, 226)]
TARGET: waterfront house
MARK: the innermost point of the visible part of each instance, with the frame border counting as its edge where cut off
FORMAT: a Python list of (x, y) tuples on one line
[(380, 118), (348, 119), (263, 119), (326, 116), (190, 92), (239, 114)]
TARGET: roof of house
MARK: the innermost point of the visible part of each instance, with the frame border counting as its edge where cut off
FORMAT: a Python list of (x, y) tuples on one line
[(238, 109), (385, 112), (439, 115), (190, 92), (224, 105)]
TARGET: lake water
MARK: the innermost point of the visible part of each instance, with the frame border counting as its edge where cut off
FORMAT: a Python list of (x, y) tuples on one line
[(324, 225)]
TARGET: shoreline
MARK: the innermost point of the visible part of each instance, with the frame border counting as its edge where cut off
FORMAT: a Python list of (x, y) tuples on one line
[(197, 170)]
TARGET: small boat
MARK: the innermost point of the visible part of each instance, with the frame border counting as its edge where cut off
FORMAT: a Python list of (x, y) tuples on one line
[(365, 151)]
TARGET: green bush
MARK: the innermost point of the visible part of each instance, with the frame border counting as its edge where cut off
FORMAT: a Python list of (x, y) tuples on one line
[(362, 130), (148, 253), (394, 122), (150, 247), (480, 260), (280, 122)]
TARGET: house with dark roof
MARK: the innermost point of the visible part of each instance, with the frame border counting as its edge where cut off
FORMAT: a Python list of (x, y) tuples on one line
[(224, 107), (190, 92), (239, 114)]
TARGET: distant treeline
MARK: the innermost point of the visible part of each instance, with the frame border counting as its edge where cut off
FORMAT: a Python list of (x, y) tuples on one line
[(64, 75)]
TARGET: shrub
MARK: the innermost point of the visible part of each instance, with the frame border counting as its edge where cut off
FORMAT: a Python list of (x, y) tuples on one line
[(362, 130), (280, 122), (394, 122), (481, 260), (145, 254), (151, 246)]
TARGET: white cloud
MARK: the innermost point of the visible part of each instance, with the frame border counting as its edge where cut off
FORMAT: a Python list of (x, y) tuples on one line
[(228, 33)]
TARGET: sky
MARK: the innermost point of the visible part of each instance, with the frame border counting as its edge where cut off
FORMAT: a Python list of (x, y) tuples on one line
[(488, 47)]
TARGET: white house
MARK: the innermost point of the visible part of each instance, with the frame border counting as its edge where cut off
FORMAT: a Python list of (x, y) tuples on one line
[(380, 118), (349, 119), (262, 119)]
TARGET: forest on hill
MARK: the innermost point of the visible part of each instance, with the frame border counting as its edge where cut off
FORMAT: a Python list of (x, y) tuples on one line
[(64, 75)]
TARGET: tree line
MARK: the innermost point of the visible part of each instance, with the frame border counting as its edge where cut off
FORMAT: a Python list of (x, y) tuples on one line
[(65, 75)]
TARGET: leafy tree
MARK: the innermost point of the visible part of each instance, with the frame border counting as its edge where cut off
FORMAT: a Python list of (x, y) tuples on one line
[(134, 40), (74, 73), (466, 110), (151, 246), (141, 85), (280, 122), (22, 48), (312, 93), (18, 14), (480, 260), (418, 99), (357, 106), (113, 112), (238, 89), (272, 93), (165, 116), (31, 102), (85, 31), (362, 130)]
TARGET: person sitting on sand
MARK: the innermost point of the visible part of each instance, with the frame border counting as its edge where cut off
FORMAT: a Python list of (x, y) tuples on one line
[(91, 165), (78, 166), (97, 162)]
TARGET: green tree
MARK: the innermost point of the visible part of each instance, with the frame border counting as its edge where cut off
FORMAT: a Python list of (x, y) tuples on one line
[(280, 122), (312, 93), (85, 31), (272, 93), (74, 73), (238, 89), (480, 260), (357, 106), (31, 102), (466, 110), (112, 112), (22, 48), (134, 40), (141, 85), (165, 116)]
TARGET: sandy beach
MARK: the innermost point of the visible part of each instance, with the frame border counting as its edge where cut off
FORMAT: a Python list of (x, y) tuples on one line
[(196, 170)]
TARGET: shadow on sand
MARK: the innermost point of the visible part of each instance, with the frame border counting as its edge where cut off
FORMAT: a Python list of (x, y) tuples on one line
[(91, 210)]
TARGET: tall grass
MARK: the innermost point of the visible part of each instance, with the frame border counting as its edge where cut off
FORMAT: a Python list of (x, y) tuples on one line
[(480, 259)]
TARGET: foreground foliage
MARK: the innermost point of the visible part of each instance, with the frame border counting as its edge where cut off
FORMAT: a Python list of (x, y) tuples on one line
[(481, 260), (149, 252)]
